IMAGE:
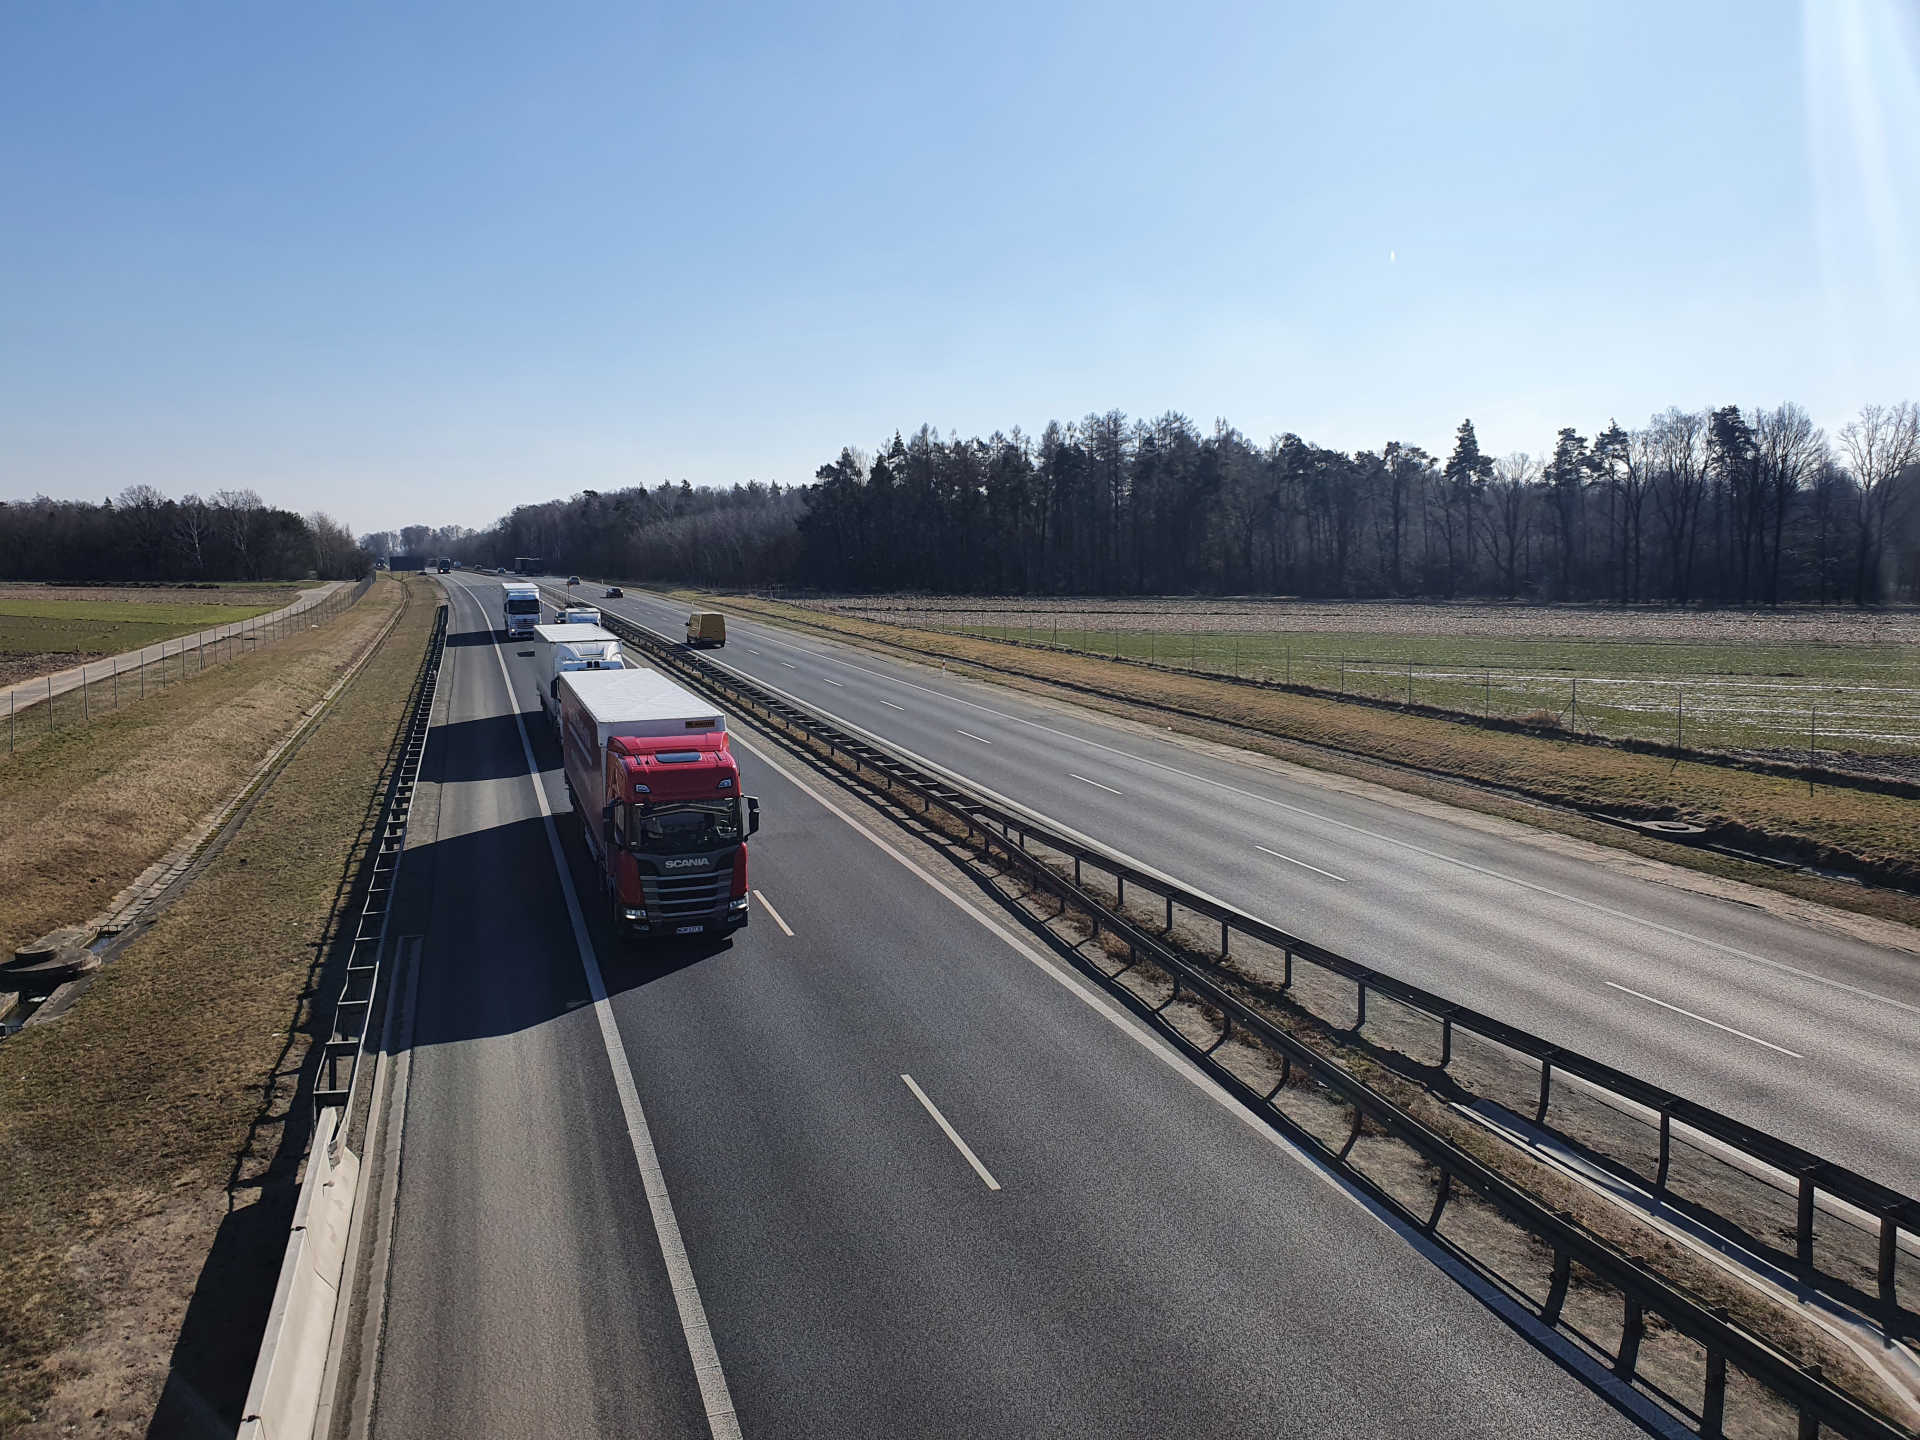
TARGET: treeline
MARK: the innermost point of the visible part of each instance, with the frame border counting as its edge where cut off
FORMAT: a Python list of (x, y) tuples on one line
[(744, 536), (143, 535), (1719, 506)]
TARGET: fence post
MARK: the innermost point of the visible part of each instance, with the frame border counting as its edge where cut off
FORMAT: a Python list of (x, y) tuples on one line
[(86, 713)]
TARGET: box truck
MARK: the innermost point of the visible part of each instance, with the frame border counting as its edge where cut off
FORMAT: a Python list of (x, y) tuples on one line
[(577, 615), (658, 791), (558, 649), (706, 627), (519, 608)]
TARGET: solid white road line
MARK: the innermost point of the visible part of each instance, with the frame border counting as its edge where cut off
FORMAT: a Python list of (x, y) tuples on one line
[(1301, 863), (1704, 1021), (1095, 783), (971, 736), (952, 1134), (891, 706), (714, 1395), (774, 913), (1594, 905), (1523, 1320)]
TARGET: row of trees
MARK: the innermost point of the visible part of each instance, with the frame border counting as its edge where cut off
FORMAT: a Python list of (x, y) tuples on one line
[(143, 535), (1716, 506), (747, 535), (1722, 506)]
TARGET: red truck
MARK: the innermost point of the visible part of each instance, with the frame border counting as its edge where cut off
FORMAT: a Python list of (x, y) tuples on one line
[(649, 771)]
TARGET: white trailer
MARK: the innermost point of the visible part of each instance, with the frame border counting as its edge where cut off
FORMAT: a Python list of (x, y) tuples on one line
[(559, 649)]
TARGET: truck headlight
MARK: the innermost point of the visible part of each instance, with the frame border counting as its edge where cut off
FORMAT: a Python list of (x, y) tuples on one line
[(739, 904), (634, 914)]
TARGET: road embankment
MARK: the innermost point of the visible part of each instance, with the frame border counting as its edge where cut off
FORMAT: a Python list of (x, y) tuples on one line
[(149, 1139)]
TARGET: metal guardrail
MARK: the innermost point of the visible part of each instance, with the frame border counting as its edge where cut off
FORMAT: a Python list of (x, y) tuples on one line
[(352, 1012), (1643, 1290)]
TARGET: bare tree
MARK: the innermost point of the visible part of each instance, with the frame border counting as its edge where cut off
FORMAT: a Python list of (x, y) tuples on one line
[(1510, 516), (1881, 443), (1790, 451), (1680, 485)]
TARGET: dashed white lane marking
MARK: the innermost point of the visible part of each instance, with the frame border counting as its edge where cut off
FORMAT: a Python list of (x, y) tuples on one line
[(971, 736), (952, 1134), (1095, 783), (789, 665), (1301, 863), (774, 913), (891, 706), (1704, 1021), (834, 683)]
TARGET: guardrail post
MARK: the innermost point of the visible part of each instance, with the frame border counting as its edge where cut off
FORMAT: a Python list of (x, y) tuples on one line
[(1713, 1406), (1557, 1289), (1446, 1028), (1286, 980), (1889, 1239), (1803, 1236), (1076, 870), (1120, 882), (1361, 1023), (1666, 1151), (1633, 1325), (1546, 1084), (1440, 1197), (1223, 939), (1169, 914)]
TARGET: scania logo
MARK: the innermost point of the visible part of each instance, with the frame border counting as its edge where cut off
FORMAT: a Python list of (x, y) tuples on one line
[(682, 864)]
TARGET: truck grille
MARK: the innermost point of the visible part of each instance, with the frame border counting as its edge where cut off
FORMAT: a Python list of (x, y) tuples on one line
[(675, 896)]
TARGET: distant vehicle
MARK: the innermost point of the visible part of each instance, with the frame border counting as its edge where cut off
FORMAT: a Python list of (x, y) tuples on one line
[(446, 567), (528, 565), (614, 592), (568, 645), (519, 608), (456, 564), (501, 571), (649, 771), (578, 615), (573, 579), (706, 627)]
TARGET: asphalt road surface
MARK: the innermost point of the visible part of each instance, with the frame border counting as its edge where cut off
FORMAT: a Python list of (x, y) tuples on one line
[(1051, 1230), (1789, 1026)]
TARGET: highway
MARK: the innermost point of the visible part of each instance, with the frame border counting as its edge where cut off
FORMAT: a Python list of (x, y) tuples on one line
[(1789, 1025), (1052, 1228)]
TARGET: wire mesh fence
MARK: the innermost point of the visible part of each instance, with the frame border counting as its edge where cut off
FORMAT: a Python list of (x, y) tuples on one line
[(101, 687)]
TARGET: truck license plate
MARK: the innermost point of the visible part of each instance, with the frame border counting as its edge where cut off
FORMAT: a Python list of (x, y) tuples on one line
[(689, 929)]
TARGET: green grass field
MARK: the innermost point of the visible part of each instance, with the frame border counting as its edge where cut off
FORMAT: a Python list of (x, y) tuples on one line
[(105, 627), (1778, 697)]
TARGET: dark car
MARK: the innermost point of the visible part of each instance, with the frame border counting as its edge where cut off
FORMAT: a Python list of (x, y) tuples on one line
[(614, 592)]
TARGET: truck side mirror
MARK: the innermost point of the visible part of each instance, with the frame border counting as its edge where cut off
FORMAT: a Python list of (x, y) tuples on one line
[(609, 830), (753, 815)]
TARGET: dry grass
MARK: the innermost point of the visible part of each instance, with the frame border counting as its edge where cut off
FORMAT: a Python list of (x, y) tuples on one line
[(139, 1133), (71, 837)]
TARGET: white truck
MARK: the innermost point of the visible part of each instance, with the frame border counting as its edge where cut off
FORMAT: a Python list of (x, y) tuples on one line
[(565, 647), (519, 607), (578, 615)]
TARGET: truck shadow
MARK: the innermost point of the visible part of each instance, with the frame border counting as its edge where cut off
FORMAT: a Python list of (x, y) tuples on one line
[(488, 748)]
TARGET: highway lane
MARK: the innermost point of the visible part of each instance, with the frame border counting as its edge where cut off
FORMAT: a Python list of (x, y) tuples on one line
[(1794, 1027), (1150, 1263)]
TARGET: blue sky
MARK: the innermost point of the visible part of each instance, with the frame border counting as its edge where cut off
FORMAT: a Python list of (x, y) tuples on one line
[(416, 264)]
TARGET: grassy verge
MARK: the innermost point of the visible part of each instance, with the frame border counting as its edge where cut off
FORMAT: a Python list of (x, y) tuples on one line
[(143, 1194), (85, 809), (1490, 771), (106, 627)]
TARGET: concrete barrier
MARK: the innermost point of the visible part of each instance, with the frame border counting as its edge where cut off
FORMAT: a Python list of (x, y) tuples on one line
[(285, 1393)]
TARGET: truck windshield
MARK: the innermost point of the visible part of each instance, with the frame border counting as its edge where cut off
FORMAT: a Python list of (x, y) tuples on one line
[(695, 825), (523, 605)]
